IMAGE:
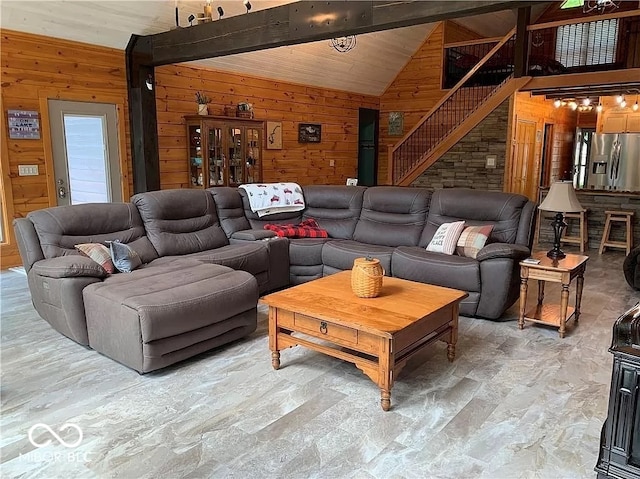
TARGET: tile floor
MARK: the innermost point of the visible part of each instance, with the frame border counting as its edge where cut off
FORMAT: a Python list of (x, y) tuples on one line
[(514, 404)]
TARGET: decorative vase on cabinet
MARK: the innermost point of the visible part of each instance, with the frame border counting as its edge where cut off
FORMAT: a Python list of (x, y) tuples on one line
[(224, 151)]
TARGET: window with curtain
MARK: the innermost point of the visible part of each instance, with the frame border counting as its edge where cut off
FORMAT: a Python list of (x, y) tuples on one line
[(590, 43)]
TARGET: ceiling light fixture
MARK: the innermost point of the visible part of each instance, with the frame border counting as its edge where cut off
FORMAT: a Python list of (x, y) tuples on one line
[(581, 105), (343, 44), (619, 99), (600, 6)]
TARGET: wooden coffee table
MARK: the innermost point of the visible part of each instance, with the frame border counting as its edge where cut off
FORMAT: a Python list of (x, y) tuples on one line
[(378, 334)]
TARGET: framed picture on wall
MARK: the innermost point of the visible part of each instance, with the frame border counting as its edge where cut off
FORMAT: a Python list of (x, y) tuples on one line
[(396, 123), (23, 125), (274, 135), (309, 133)]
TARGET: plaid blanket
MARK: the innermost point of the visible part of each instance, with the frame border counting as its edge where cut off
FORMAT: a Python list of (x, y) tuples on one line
[(307, 229)]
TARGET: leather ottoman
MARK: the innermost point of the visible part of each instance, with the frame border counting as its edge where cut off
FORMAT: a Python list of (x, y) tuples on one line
[(159, 315)]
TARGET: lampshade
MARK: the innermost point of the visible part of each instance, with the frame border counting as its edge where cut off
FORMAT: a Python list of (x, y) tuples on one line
[(561, 198)]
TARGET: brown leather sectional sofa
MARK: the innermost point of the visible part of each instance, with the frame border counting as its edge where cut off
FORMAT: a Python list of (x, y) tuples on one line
[(206, 259)]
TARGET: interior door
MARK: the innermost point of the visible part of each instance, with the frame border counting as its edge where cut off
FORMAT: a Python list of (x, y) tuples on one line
[(524, 179), (84, 140), (368, 147)]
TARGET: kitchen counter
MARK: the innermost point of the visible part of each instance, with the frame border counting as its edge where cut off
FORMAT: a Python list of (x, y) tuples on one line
[(596, 202), (608, 193)]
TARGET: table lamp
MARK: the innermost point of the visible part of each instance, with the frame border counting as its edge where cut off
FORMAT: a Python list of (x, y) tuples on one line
[(560, 199)]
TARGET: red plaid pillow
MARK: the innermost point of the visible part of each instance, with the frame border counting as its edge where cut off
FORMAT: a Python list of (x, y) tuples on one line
[(307, 229)]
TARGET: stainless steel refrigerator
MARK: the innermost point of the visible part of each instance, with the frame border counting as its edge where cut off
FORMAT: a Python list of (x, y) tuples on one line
[(614, 162)]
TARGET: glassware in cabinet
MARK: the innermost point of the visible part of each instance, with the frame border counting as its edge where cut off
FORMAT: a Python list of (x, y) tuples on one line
[(223, 151), (253, 153), (216, 156), (196, 170), (236, 173)]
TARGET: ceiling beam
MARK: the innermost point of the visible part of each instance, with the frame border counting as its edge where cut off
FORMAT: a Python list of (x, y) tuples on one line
[(594, 80), (307, 21), (294, 23)]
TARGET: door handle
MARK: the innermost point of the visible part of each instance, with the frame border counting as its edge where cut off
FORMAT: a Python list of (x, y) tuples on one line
[(62, 191)]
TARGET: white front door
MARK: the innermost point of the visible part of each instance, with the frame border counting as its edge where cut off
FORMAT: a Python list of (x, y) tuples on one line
[(84, 138)]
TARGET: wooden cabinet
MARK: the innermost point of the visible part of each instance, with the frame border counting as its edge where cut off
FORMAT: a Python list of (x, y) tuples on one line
[(633, 123), (620, 440), (620, 122), (224, 151)]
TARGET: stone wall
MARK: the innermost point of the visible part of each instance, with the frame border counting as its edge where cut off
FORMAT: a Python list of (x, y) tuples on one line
[(464, 165)]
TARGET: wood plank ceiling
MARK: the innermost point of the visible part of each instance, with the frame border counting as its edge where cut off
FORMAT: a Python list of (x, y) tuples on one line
[(367, 69)]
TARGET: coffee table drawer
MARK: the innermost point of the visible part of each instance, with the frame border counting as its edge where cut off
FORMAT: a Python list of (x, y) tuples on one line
[(324, 329)]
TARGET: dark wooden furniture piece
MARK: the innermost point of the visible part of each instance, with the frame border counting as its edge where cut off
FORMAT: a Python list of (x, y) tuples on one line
[(224, 151), (631, 268), (620, 440), (558, 271), (377, 334)]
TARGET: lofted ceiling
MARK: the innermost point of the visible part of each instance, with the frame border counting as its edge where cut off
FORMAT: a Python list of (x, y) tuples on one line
[(368, 69)]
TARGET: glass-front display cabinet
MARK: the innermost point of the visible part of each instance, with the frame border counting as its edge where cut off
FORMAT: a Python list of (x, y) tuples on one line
[(224, 151)]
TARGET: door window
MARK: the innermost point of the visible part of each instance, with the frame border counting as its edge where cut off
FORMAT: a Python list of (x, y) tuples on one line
[(581, 157), (87, 158)]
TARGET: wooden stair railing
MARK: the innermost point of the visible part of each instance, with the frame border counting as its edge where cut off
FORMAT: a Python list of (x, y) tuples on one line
[(490, 103), (414, 152)]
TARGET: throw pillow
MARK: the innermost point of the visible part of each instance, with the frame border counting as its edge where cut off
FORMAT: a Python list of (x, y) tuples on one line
[(472, 240), (446, 238), (124, 258), (98, 253)]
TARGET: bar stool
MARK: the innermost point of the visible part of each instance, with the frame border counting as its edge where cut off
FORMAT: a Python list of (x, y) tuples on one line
[(622, 216), (583, 237), (542, 215)]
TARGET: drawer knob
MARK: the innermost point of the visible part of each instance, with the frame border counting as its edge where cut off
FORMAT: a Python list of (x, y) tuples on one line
[(323, 327)]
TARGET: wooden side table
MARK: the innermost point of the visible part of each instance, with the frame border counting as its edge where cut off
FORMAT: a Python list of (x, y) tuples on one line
[(557, 271)]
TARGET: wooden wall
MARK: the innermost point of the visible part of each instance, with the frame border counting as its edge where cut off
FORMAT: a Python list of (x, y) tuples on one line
[(417, 88), (35, 68), (413, 92), (541, 111), (304, 163), (454, 32)]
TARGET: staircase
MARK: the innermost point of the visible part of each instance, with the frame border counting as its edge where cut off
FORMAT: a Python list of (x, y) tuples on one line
[(455, 115)]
